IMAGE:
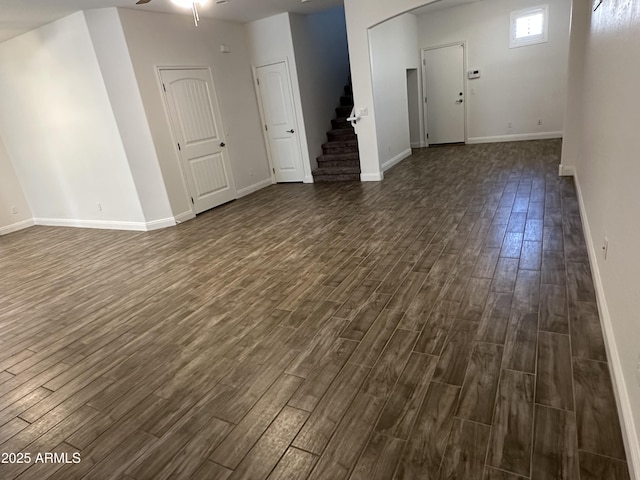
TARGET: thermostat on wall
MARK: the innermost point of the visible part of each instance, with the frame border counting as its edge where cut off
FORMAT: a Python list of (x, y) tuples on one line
[(473, 74)]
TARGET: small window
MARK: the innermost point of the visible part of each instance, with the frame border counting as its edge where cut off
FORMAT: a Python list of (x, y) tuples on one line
[(529, 26)]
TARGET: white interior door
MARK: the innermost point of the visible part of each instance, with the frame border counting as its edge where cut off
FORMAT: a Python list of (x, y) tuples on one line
[(443, 73), (197, 126), (276, 97)]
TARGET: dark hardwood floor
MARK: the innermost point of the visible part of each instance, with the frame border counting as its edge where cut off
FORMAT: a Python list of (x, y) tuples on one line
[(441, 324)]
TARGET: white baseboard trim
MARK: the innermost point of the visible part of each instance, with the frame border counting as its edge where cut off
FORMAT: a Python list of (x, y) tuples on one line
[(107, 224), (629, 432), (184, 216), (417, 145), (308, 179), (372, 177), (516, 137), (395, 160), (243, 192), (566, 171), (159, 224), (14, 227)]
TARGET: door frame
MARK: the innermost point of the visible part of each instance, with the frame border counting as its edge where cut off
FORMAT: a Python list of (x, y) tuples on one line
[(172, 128), (265, 136), (423, 86)]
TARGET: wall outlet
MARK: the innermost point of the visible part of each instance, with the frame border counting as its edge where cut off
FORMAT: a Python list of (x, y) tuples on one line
[(605, 247), (99, 205), (14, 211), (539, 122)]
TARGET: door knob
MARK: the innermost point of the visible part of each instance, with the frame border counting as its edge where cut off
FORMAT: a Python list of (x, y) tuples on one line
[(223, 144), (291, 131)]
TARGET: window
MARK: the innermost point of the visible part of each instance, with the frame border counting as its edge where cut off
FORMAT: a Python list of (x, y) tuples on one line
[(529, 26)]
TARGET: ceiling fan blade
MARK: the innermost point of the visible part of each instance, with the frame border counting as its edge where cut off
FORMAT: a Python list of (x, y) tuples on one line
[(142, 2)]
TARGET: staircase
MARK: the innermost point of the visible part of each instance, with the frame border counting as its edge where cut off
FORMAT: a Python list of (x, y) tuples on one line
[(341, 160)]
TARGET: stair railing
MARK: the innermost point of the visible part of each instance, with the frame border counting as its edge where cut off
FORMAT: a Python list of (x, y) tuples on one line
[(353, 118)]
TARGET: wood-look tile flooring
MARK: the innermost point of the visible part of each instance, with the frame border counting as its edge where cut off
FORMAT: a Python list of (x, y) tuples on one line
[(441, 324)]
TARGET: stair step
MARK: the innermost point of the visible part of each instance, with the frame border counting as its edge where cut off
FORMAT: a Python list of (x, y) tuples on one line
[(339, 160), (340, 147), (340, 123), (342, 131), (336, 170), (342, 134), (340, 156), (346, 101), (338, 163), (343, 112), (347, 177), (337, 174)]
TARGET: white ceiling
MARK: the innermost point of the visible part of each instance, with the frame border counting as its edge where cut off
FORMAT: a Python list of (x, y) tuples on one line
[(19, 16), (440, 5)]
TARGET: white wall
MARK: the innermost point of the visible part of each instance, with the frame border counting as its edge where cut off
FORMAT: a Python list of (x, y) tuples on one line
[(120, 81), (362, 15), (270, 40), (11, 195), (517, 85), (322, 63), (394, 49), (59, 129), (603, 152), (158, 39)]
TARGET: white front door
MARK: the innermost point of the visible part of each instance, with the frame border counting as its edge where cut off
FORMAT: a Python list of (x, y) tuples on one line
[(443, 73), (277, 109), (197, 127)]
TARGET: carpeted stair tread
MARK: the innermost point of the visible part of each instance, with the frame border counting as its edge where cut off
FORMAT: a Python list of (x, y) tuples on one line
[(336, 170), (340, 156), (342, 143), (343, 112), (338, 163), (340, 147), (346, 177), (340, 123), (342, 134), (338, 160)]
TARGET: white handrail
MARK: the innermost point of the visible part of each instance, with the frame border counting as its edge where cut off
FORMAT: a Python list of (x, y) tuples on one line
[(353, 118)]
